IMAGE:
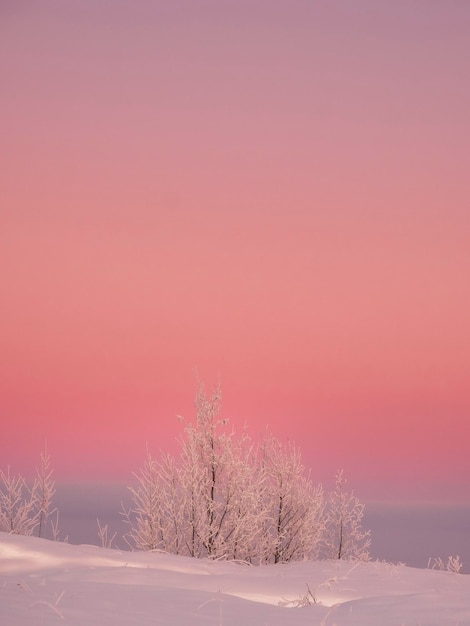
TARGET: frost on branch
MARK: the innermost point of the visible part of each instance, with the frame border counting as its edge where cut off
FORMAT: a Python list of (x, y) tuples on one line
[(103, 534), (18, 505), (205, 504), (220, 486), (294, 507), (344, 537), (44, 489), (226, 498), (152, 527), (454, 564), (24, 509)]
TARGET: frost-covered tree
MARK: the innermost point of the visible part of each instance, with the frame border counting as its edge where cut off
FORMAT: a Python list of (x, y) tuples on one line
[(344, 537), (205, 503), (145, 516), (155, 518), (204, 456), (44, 489), (218, 478), (245, 488), (223, 497), (18, 505), (23, 508), (294, 507)]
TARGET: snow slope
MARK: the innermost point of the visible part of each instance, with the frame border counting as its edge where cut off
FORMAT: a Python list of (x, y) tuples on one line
[(46, 583)]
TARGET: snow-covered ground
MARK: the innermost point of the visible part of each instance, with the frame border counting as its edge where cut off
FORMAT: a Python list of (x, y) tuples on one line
[(46, 583)]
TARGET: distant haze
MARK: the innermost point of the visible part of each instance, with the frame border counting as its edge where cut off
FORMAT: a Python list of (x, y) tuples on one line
[(407, 533)]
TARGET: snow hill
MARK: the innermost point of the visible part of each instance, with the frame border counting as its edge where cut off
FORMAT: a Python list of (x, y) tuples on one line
[(45, 583)]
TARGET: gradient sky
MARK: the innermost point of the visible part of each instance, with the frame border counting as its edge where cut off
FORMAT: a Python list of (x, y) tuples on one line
[(274, 191)]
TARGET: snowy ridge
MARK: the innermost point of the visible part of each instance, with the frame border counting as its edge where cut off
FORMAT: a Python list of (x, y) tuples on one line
[(44, 582)]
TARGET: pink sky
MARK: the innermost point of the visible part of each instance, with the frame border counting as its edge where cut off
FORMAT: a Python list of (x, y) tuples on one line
[(274, 191)]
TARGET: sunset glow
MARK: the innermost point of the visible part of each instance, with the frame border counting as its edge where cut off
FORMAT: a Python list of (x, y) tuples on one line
[(276, 193)]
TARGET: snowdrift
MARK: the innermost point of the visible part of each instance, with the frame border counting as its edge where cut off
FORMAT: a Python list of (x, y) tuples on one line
[(46, 583)]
